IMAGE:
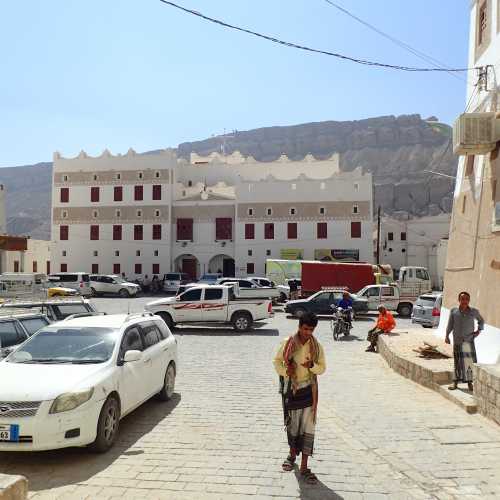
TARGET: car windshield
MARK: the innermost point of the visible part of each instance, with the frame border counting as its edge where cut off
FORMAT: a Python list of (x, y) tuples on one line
[(118, 279), (76, 345), (209, 277), (427, 300)]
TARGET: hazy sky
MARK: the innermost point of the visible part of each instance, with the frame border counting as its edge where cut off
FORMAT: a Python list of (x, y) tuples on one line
[(92, 74)]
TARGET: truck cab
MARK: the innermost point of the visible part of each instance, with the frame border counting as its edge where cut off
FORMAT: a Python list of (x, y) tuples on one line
[(414, 276), (389, 296)]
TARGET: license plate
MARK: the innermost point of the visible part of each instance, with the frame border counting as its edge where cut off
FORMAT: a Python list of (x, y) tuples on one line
[(9, 433)]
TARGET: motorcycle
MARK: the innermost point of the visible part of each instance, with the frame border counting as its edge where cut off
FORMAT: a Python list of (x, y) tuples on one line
[(341, 324)]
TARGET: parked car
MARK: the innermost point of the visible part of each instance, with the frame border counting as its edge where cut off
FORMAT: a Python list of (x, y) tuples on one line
[(262, 281), (322, 302), (55, 309), (77, 281), (101, 284), (209, 279), (211, 304), (172, 281), (392, 297), (17, 325), (73, 381), (250, 289), (427, 310)]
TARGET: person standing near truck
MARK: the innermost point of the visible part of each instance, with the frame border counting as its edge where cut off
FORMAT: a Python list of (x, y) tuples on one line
[(461, 323)]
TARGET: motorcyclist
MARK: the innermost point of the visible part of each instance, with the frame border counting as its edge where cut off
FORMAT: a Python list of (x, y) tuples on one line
[(346, 305)]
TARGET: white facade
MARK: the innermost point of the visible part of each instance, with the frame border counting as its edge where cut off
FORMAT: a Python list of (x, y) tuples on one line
[(197, 197)]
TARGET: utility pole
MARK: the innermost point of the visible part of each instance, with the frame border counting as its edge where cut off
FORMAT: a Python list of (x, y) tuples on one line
[(378, 235)]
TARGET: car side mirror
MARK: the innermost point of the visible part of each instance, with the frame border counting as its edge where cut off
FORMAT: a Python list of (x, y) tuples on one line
[(132, 356)]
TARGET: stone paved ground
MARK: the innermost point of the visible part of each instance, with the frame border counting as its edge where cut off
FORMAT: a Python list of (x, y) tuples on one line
[(379, 435)]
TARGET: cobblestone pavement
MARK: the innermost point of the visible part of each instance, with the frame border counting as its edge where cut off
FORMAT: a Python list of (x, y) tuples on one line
[(378, 436)]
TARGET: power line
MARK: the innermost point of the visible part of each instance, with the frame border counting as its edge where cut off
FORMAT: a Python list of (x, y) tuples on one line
[(434, 62), (309, 49)]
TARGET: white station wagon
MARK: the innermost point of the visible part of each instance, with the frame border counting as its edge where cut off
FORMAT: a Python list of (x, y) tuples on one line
[(72, 382)]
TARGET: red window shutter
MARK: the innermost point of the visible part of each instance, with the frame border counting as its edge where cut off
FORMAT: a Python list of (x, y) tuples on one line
[(138, 269), (116, 269), (250, 268), (157, 192), (47, 265), (35, 266), (16, 266), (292, 230), (94, 194), (95, 268), (355, 229), (249, 231), (118, 193), (64, 268), (64, 195), (156, 268), (63, 232), (223, 228), (138, 232), (138, 193), (185, 229), (94, 232), (156, 231), (117, 232), (269, 231), (322, 230)]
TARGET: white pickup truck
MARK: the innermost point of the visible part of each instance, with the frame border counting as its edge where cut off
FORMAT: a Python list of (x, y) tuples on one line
[(211, 304), (248, 288)]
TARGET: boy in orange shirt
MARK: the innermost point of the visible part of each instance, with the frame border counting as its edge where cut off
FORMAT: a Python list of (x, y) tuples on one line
[(385, 323)]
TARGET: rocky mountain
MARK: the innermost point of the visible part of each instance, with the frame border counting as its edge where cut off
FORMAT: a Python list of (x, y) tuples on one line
[(397, 150)]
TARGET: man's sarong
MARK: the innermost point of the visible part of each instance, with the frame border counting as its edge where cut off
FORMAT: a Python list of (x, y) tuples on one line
[(464, 356), (300, 426)]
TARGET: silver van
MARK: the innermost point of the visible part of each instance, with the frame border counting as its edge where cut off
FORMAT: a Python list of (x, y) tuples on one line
[(427, 310), (78, 281), (172, 281)]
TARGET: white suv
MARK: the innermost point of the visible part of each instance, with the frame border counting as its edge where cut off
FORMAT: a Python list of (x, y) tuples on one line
[(101, 284), (72, 382)]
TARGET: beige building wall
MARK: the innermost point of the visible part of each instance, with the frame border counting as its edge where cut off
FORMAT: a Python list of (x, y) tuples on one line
[(34, 259)]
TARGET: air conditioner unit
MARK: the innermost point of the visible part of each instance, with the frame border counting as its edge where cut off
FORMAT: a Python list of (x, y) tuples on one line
[(475, 133)]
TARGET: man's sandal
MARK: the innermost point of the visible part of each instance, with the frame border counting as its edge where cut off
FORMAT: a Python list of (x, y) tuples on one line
[(309, 477), (288, 464)]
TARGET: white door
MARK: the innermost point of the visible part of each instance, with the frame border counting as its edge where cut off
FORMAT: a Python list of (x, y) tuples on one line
[(213, 306), (156, 352), (372, 294), (188, 306), (388, 297)]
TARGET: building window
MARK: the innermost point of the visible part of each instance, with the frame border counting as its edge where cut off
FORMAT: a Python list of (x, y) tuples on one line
[(157, 213), (250, 268), (190, 183), (138, 193), (269, 231), (95, 268), (293, 211), (183, 193), (356, 186), (403, 236), (64, 195), (116, 269), (482, 23), (117, 253), (157, 192), (156, 253), (355, 209), (95, 177), (249, 231), (118, 193), (63, 232), (95, 214), (355, 229), (65, 178), (139, 213), (96, 253), (118, 177), (94, 232), (140, 175), (35, 266), (292, 230), (64, 268), (250, 253), (250, 212), (16, 266), (268, 253), (464, 203), (94, 194), (156, 231), (138, 232), (322, 230), (157, 174), (47, 265), (137, 253), (390, 236), (117, 232), (156, 268), (469, 164), (223, 228), (138, 269), (64, 253), (184, 229), (64, 214), (322, 210), (118, 214), (269, 211)]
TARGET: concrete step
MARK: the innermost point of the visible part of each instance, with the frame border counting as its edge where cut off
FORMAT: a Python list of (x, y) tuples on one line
[(461, 397)]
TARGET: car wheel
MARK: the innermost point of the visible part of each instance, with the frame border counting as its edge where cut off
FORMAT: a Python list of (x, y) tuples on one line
[(168, 388), (427, 326), (405, 310), (167, 318), (93, 292), (107, 426), (242, 322), (299, 312), (124, 293)]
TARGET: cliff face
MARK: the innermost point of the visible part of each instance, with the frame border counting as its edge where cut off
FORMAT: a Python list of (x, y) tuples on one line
[(396, 150)]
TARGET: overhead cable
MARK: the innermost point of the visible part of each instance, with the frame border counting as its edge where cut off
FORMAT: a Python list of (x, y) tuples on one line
[(272, 39)]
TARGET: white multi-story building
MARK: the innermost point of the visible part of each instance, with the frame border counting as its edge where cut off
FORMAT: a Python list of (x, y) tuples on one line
[(153, 213)]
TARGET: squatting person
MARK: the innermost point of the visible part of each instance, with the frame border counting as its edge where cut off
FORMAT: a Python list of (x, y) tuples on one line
[(299, 361), (385, 324), (461, 323)]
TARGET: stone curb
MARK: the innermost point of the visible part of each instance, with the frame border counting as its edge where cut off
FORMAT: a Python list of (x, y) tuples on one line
[(13, 487)]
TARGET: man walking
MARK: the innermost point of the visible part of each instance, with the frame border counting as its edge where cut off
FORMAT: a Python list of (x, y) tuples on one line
[(461, 323), (385, 324), (299, 360)]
